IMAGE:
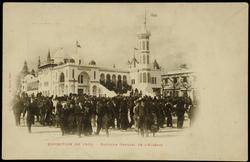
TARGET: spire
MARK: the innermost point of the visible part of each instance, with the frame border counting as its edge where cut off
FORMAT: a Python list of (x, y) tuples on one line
[(33, 72), (156, 65), (144, 30), (48, 57), (25, 69), (39, 62)]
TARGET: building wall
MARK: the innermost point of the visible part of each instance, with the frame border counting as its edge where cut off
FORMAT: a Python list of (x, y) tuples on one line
[(71, 78), (184, 85), (30, 84)]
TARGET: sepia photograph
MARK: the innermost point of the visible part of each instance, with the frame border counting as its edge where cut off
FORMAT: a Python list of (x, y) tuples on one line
[(125, 81)]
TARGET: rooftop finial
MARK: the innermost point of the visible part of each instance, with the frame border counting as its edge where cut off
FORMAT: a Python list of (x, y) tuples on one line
[(49, 57), (145, 18)]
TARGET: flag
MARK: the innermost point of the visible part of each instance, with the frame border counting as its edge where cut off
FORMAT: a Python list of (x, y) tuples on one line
[(153, 14), (135, 48), (78, 45)]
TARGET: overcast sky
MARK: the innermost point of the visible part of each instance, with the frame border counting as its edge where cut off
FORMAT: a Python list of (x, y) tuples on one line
[(181, 33)]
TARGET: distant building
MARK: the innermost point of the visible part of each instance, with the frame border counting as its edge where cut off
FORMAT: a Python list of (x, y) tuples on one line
[(178, 83), (29, 84)]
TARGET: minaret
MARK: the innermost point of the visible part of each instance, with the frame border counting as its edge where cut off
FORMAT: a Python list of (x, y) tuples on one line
[(39, 62), (48, 57), (25, 69), (143, 38), (33, 72)]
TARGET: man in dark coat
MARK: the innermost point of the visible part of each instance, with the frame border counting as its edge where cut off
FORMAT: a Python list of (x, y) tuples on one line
[(124, 114), (117, 112), (168, 112), (79, 113), (62, 113), (180, 111), (99, 113), (71, 118), (113, 112), (106, 117), (140, 113), (30, 108), (131, 106), (87, 127), (161, 113), (148, 119), (136, 114)]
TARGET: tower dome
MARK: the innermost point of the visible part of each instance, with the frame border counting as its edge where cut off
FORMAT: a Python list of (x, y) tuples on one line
[(92, 62)]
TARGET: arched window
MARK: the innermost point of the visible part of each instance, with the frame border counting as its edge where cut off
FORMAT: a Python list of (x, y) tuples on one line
[(144, 59), (144, 77), (140, 77), (147, 59), (114, 79), (149, 78), (147, 45), (108, 78), (80, 79), (83, 78), (119, 77), (124, 78), (102, 77), (62, 78), (73, 73), (144, 45)]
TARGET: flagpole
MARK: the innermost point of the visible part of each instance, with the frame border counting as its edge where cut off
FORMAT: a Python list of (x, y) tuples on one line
[(76, 52)]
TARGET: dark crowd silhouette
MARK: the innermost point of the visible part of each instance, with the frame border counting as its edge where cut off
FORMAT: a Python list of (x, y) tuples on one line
[(80, 113)]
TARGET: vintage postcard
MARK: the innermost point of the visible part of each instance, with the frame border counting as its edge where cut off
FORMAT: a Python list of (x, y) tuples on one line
[(131, 81)]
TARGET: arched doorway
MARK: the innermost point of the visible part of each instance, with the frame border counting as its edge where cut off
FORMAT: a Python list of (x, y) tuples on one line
[(83, 83)]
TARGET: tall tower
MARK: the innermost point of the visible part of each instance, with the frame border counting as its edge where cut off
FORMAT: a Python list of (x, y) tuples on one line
[(143, 39), (144, 54)]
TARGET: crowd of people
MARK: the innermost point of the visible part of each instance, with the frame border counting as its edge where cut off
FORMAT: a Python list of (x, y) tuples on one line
[(79, 114)]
